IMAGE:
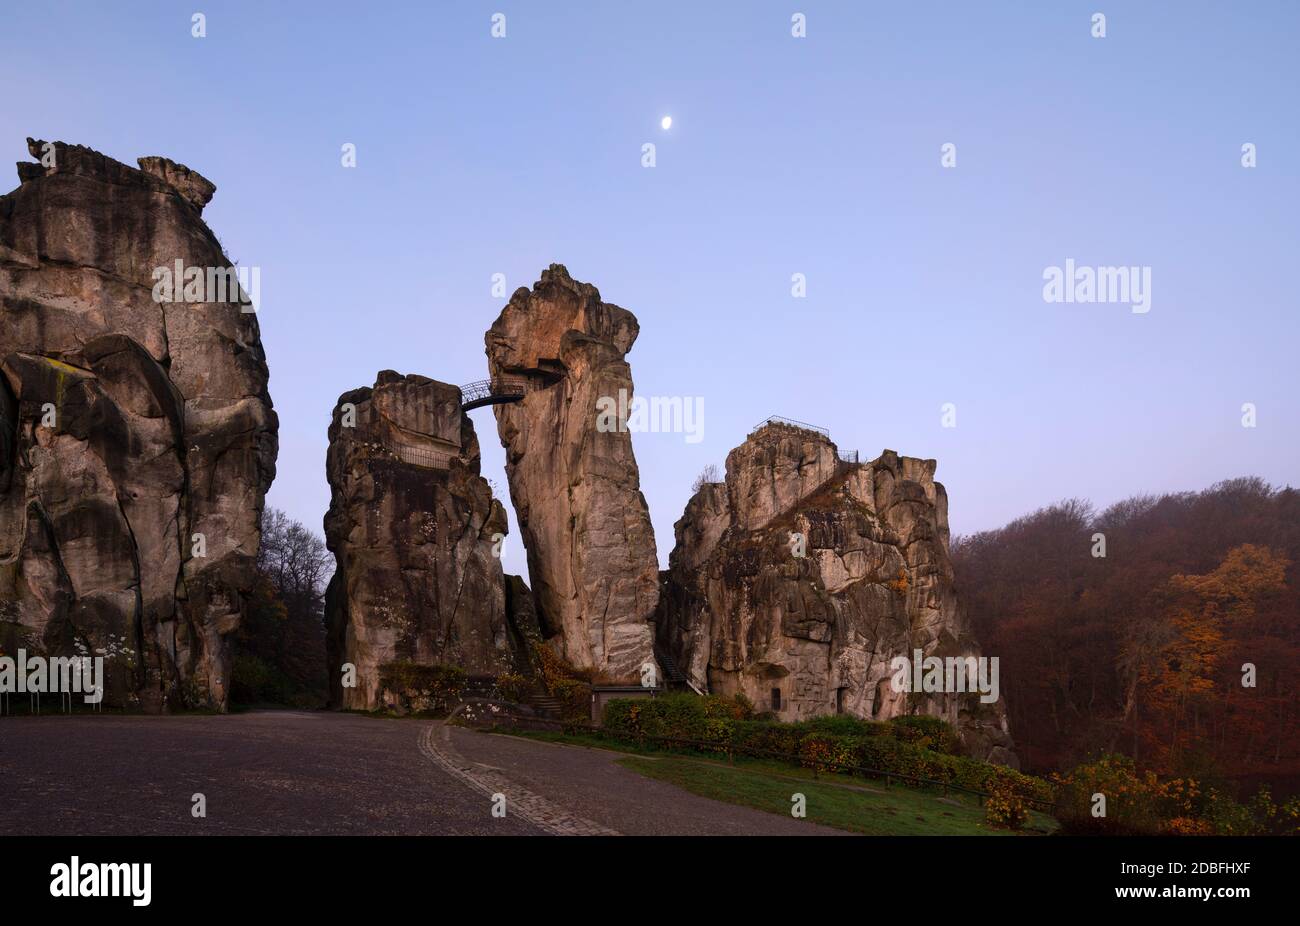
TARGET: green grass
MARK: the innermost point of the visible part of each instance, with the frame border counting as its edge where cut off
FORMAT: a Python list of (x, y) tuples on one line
[(859, 808), (842, 801)]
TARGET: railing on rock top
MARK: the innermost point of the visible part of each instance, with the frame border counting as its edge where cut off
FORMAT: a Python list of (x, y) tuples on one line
[(846, 456), (497, 391), (790, 423)]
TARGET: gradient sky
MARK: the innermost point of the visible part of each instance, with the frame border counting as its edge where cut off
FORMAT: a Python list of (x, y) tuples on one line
[(819, 156)]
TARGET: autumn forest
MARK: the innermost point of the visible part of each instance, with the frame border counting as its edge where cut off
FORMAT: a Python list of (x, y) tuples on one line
[(1165, 628)]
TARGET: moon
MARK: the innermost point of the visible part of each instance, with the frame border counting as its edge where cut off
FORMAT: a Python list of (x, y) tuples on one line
[(666, 122)]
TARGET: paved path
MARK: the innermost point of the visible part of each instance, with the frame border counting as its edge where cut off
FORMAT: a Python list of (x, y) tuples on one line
[(294, 772), (591, 783), (278, 772)]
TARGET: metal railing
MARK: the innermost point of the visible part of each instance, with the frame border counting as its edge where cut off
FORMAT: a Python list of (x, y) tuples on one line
[(849, 456), (778, 421), (493, 391), (418, 456), (414, 456)]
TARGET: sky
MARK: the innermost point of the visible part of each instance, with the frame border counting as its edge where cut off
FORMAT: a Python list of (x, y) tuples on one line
[(820, 155)]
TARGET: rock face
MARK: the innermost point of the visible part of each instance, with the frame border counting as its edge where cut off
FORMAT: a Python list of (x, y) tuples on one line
[(413, 528), (576, 489), (137, 438), (815, 634)]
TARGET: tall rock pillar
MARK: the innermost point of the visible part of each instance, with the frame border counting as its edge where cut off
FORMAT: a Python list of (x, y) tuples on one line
[(415, 532), (137, 438), (576, 488)]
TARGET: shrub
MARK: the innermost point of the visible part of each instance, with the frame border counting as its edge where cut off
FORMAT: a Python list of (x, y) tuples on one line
[(709, 474), (568, 684), (844, 725), (766, 738), (826, 752), (552, 667), (253, 680), (719, 730), (737, 708), (513, 687), (1143, 803), (1287, 822), (909, 749), (882, 752), (927, 732), (621, 717), (1188, 826), (708, 719), (409, 686), (1005, 807), (574, 696)]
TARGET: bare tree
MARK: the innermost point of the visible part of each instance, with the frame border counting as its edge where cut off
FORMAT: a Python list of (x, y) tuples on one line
[(281, 641), (294, 559), (709, 474)]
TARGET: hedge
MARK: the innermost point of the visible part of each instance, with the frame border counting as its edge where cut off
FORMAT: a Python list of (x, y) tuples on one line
[(909, 747), (1139, 802)]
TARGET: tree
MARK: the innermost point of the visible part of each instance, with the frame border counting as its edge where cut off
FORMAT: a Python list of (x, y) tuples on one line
[(707, 476), (294, 559), (281, 642), (1188, 683), (1142, 651)]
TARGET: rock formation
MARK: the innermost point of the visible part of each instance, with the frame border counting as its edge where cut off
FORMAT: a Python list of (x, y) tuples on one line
[(809, 628), (576, 488), (137, 438), (415, 532)]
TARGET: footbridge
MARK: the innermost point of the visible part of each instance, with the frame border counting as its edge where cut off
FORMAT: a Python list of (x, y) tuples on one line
[(499, 391)]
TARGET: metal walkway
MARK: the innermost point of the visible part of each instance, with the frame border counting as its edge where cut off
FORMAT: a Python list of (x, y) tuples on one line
[(492, 392)]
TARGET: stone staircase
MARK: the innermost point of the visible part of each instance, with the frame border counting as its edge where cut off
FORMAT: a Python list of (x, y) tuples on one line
[(672, 674), (674, 677), (545, 705)]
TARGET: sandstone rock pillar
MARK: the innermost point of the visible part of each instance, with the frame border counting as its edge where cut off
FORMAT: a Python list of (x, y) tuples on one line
[(137, 437), (799, 580), (415, 532), (576, 489)]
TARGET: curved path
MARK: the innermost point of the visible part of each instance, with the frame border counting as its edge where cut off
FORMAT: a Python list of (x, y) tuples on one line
[(590, 782), (297, 772)]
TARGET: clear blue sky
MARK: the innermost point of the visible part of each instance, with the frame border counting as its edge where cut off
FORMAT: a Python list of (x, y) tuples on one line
[(821, 156)]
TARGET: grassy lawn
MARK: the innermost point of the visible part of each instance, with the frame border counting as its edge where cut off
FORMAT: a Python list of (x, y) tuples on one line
[(841, 801), (894, 811)]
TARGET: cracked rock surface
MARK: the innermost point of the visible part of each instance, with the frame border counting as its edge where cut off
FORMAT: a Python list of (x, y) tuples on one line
[(742, 613), (413, 528), (137, 437), (576, 488)]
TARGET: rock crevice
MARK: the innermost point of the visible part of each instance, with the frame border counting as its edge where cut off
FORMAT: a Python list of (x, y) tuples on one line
[(801, 577), (416, 532), (576, 488), (136, 444)]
